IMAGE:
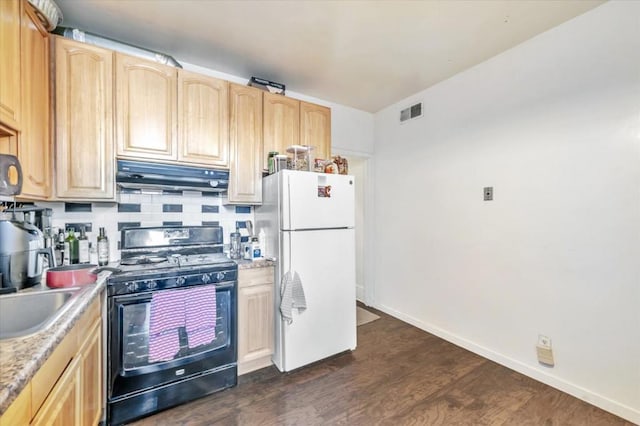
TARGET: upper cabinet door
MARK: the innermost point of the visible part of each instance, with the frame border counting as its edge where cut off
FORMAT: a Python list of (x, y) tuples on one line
[(281, 124), (35, 139), (10, 12), (203, 111), (245, 175), (315, 129), (146, 109), (84, 121)]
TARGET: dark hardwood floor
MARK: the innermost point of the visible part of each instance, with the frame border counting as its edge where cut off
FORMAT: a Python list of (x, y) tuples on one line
[(398, 375)]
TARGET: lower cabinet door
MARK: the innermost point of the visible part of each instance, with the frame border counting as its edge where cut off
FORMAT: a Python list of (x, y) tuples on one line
[(62, 406), (255, 320), (91, 385)]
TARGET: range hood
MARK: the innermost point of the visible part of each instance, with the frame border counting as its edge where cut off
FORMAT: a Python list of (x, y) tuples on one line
[(138, 174)]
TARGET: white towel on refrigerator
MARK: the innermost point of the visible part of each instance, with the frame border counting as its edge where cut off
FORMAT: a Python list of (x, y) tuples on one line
[(292, 296)]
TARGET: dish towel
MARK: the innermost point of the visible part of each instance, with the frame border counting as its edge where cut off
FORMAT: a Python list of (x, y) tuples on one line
[(200, 315), (167, 314), (292, 296)]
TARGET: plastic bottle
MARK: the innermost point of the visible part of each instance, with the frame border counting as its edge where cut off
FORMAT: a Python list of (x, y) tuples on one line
[(103, 248), (262, 240), (93, 254), (83, 247), (255, 249)]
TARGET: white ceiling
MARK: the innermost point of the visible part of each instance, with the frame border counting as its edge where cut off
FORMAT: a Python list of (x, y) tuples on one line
[(364, 54)]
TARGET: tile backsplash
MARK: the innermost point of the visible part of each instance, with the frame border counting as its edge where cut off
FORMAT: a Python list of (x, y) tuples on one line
[(149, 208)]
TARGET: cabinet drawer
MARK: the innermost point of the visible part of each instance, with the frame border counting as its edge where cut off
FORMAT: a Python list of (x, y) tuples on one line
[(85, 323), (44, 380), (19, 412), (255, 276)]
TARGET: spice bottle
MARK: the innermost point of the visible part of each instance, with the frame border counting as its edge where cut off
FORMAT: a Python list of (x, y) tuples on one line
[(103, 248)]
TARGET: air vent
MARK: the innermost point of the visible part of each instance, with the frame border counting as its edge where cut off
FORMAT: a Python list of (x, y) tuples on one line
[(414, 111)]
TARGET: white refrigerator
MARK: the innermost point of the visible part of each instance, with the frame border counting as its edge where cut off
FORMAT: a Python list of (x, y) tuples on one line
[(309, 223)]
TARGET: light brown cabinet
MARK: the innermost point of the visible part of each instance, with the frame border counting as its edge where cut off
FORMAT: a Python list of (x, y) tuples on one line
[(10, 82), (170, 115), (85, 165), (281, 124), (255, 318), (245, 176), (146, 109), (8, 141), (91, 389), (203, 119), (62, 407), (289, 122), (24, 95), (19, 412), (315, 129), (68, 389), (34, 147)]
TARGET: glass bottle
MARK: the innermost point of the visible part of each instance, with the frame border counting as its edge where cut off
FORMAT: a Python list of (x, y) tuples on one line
[(272, 161), (103, 248), (71, 246), (83, 247), (235, 245), (60, 257)]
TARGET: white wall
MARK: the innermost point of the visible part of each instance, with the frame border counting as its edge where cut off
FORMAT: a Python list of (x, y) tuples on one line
[(554, 126)]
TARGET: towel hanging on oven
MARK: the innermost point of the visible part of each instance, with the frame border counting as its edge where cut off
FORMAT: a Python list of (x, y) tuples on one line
[(167, 315), (200, 315)]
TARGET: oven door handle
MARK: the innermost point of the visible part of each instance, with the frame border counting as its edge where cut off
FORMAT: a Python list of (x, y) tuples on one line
[(128, 299), (147, 296)]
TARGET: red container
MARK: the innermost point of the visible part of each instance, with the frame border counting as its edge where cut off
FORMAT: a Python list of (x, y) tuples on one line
[(74, 275)]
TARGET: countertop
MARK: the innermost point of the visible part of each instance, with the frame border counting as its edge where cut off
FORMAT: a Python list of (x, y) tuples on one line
[(250, 264), (21, 357)]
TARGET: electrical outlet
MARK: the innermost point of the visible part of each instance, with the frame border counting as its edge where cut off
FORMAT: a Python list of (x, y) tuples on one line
[(544, 341), (488, 193), (544, 351)]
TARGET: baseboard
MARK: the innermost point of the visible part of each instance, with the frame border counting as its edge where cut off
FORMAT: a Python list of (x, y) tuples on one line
[(624, 411), (254, 364), (360, 293)]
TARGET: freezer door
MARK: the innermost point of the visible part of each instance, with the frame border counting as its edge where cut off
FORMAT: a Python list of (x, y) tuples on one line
[(325, 262), (317, 200)]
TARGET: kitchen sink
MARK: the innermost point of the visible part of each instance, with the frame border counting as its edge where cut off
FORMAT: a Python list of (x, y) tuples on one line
[(28, 313)]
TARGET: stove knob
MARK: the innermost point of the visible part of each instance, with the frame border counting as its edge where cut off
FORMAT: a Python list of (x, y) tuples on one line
[(151, 285), (132, 286), (206, 278), (180, 280), (220, 276)]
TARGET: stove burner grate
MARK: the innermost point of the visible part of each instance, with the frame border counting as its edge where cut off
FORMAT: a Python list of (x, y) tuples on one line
[(143, 260)]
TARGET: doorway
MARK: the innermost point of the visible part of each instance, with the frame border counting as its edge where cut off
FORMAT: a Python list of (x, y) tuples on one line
[(360, 168)]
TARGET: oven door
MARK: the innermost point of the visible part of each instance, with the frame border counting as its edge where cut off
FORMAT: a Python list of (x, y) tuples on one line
[(130, 369)]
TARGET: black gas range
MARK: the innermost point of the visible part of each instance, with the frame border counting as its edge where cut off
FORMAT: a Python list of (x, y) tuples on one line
[(168, 257), (172, 320)]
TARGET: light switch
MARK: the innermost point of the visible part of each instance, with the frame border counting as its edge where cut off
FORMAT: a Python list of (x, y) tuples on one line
[(488, 193)]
